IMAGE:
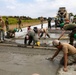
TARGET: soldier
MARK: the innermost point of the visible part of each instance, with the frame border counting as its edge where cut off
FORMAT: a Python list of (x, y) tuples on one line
[(2, 23), (72, 28), (56, 23), (7, 24), (11, 33), (41, 20), (31, 37), (69, 53), (43, 31), (49, 22), (19, 23)]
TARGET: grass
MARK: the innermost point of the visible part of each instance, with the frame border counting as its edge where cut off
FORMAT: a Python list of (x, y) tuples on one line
[(15, 20)]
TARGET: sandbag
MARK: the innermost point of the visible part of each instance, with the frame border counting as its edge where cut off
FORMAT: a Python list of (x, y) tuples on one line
[(69, 26)]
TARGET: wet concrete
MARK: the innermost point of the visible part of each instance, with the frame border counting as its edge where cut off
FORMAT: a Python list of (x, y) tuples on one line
[(71, 70), (53, 36), (29, 61), (24, 61)]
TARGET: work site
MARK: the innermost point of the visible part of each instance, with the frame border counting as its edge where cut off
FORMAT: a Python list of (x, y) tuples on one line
[(45, 48)]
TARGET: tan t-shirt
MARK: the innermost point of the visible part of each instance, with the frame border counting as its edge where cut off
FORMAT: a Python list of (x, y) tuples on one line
[(67, 48)]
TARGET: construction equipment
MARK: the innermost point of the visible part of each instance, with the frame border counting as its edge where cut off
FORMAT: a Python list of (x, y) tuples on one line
[(62, 13)]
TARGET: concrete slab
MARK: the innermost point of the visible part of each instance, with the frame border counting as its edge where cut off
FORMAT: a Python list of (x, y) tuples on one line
[(23, 61), (71, 70), (28, 61)]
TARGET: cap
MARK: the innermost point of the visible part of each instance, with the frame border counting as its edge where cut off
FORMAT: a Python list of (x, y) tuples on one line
[(55, 42)]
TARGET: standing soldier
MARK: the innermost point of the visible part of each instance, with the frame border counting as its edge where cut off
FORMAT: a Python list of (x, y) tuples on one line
[(1, 29), (19, 23), (49, 22), (7, 24), (41, 19), (56, 23)]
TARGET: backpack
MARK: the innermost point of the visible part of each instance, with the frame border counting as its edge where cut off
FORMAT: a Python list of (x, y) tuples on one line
[(69, 26)]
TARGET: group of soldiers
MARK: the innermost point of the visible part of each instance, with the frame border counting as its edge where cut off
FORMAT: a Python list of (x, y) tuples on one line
[(10, 33), (33, 35), (63, 22), (69, 51)]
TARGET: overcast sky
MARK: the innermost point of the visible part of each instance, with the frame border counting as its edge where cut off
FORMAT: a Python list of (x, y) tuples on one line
[(35, 8)]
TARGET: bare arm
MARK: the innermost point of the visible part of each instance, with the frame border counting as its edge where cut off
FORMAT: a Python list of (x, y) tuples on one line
[(65, 62), (61, 35), (39, 33), (46, 32), (56, 53)]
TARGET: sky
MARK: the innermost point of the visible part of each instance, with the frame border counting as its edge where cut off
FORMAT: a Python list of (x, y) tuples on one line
[(35, 8)]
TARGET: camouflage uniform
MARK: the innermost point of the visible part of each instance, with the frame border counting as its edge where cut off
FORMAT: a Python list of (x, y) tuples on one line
[(32, 37)]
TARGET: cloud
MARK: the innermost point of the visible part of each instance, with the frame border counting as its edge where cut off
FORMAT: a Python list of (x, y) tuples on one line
[(35, 8), (11, 7)]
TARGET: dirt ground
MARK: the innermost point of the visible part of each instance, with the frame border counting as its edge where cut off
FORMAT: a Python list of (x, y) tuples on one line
[(23, 25)]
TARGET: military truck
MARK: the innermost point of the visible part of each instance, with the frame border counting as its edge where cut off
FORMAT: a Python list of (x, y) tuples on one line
[(62, 13), (62, 17)]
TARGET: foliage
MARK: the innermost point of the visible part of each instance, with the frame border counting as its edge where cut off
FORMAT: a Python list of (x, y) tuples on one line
[(14, 20)]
